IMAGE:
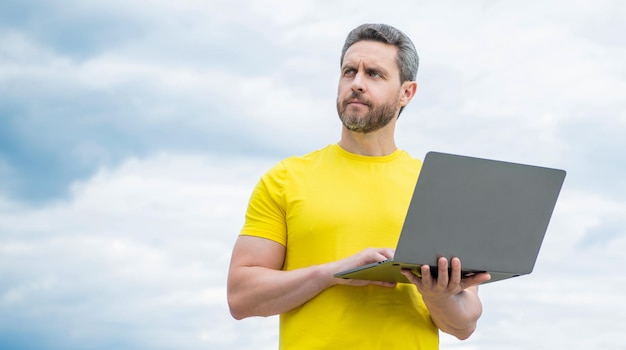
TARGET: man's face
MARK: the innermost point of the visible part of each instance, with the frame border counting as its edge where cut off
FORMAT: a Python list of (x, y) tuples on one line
[(369, 92)]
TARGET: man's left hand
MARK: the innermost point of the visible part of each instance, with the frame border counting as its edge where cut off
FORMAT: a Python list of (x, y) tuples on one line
[(447, 283)]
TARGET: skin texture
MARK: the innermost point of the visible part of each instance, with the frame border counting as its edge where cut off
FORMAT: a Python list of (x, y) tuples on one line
[(369, 98)]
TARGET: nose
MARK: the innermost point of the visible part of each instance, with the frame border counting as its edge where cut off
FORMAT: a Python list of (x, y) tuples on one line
[(358, 83)]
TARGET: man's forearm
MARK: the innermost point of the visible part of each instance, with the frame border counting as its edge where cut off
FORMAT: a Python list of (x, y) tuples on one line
[(258, 286), (457, 315), (260, 291)]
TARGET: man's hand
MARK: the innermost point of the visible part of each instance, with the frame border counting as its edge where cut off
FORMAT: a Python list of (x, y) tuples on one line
[(257, 285), (446, 284), (452, 301), (367, 256)]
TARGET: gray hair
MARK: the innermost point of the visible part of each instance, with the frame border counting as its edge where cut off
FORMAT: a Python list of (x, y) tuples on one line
[(407, 60)]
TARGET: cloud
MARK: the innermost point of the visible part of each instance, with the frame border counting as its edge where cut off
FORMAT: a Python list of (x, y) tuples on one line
[(138, 256), (132, 134), (197, 80), (186, 87)]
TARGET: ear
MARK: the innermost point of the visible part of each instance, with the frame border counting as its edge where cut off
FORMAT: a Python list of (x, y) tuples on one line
[(407, 92)]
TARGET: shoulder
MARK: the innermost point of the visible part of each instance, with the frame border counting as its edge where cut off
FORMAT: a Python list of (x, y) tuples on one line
[(406, 157), (295, 162)]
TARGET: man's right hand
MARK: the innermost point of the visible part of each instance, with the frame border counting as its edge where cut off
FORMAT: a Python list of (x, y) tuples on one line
[(364, 257), (258, 286)]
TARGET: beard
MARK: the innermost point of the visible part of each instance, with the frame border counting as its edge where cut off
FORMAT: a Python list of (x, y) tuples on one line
[(376, 118)]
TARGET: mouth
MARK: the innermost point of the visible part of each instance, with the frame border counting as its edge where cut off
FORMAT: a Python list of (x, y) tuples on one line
[(356, 103)]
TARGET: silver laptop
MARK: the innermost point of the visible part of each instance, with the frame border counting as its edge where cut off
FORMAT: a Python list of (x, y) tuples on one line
[(492, 215)]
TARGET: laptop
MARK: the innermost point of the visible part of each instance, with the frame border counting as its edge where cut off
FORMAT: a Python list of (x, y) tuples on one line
[(492, 215)]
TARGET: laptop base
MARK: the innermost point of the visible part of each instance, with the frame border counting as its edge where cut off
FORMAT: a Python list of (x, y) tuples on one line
[(391, 271)]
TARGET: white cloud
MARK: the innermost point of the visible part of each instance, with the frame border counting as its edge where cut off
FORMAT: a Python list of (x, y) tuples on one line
[(140, 253), (137, 255)]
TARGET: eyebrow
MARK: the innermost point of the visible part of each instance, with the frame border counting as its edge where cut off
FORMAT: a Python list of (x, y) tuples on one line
[(347, 66), (381, 71), (368, 68)]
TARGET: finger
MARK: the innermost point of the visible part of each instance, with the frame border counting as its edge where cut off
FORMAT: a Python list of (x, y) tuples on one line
[(372, 255), (412, 277), (455, 276), (427, 279), (384, 284), (388, 253), (442, 268), (475, 280)]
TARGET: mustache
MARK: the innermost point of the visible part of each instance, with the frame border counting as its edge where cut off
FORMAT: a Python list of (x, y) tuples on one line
[(356, 95)]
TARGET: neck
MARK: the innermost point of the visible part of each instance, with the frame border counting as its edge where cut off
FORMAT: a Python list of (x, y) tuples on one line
[(378, 143)]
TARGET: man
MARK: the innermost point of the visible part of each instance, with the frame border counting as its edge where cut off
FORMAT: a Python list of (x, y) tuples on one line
[(312, 216)]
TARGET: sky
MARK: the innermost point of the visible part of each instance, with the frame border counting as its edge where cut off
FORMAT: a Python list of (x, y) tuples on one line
[(132, 134)]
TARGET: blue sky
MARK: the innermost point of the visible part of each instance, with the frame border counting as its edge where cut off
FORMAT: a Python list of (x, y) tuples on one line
[(131, 135)]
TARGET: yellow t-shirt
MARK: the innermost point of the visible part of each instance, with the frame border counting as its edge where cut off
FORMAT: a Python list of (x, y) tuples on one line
[(326, 206)]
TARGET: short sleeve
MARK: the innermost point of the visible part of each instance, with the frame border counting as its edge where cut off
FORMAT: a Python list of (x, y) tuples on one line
[(265, 216)]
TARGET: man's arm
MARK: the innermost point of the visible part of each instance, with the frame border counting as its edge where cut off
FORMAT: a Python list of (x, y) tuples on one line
[(453, 302), (257, 285)]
